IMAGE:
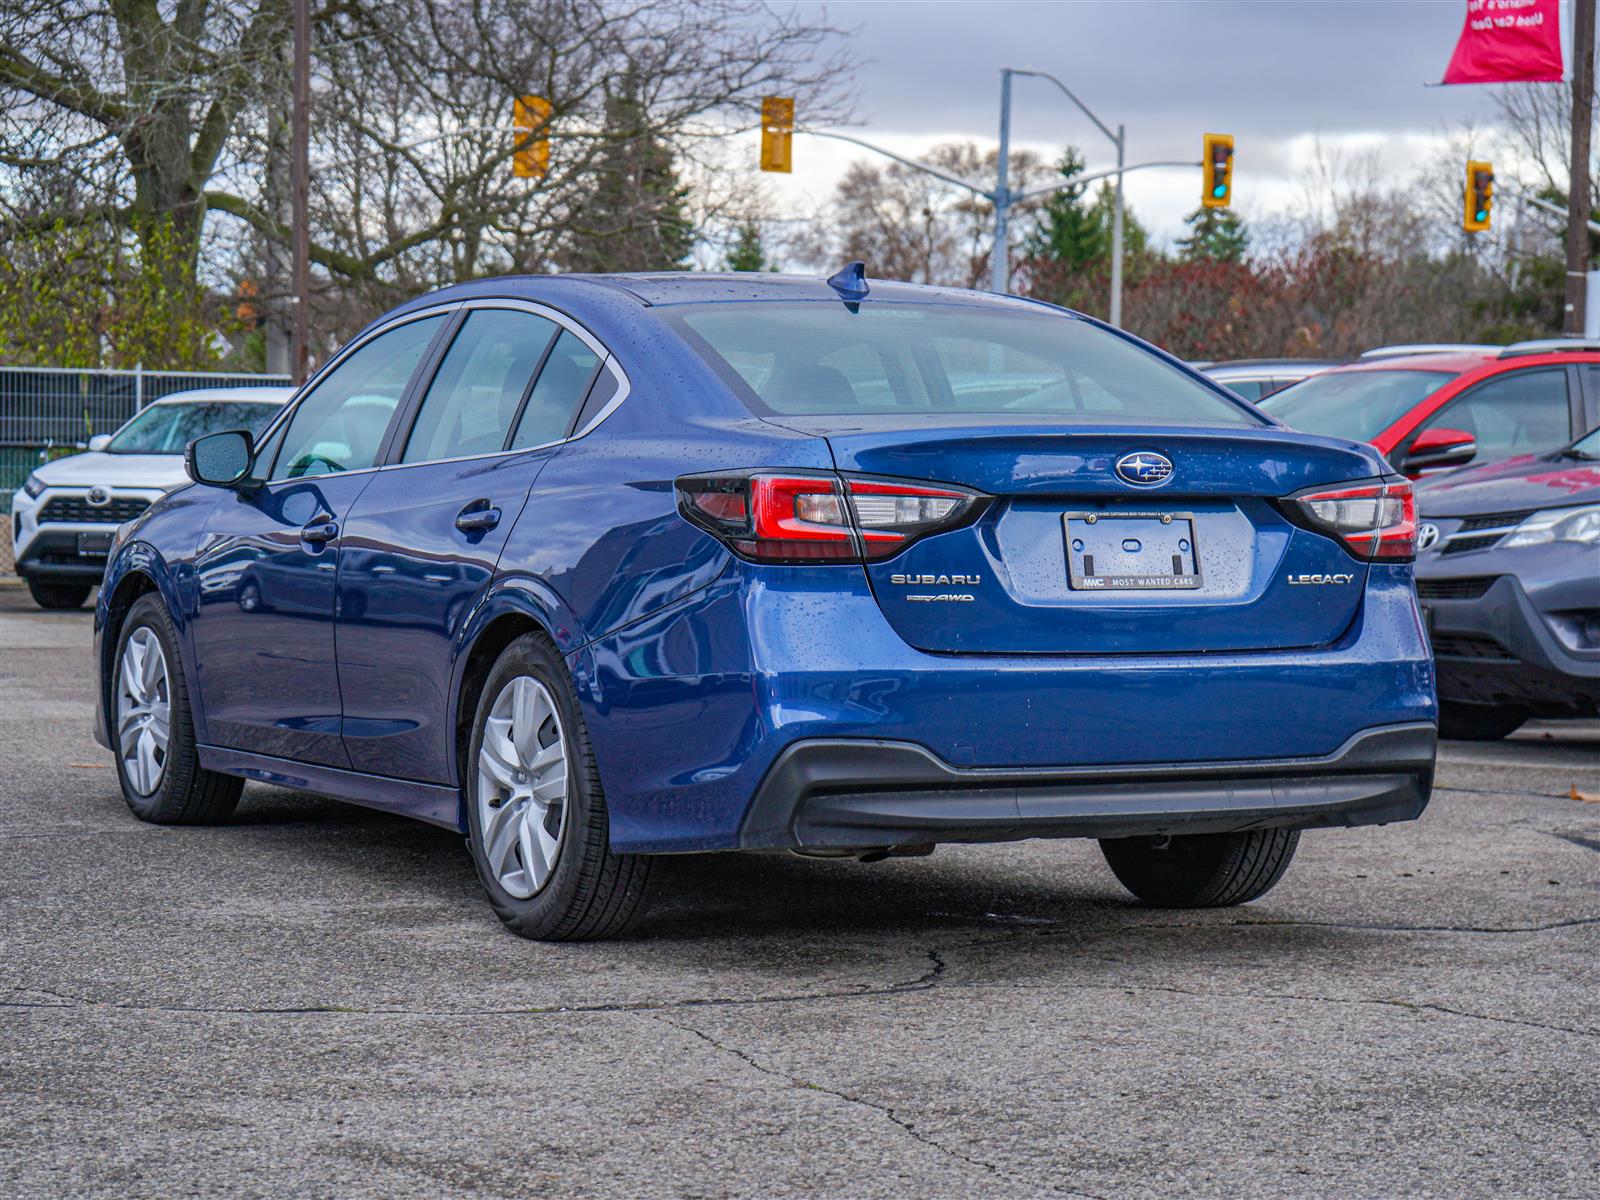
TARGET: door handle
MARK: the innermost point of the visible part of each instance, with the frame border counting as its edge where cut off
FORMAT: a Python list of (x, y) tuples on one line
[(476, 519), (324, 530)]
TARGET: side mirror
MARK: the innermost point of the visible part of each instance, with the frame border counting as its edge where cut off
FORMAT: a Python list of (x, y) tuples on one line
[(100, 441), (1434, 449), (220, 459)]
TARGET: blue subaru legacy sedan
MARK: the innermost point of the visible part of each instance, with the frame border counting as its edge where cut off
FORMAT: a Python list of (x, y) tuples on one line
[(594, 569)]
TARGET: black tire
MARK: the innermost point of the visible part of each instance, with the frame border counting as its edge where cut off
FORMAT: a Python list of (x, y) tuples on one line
[(591, 893), (188, 794), (59, 595), (1201, 870), (1479, 722)]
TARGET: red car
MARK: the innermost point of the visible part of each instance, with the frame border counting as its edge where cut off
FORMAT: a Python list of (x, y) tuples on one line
[(1433, 412)]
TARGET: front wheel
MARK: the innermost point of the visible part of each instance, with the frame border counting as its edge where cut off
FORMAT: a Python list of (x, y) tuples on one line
[(1201, 870), (58, 595), (152, 727), (536, 814)]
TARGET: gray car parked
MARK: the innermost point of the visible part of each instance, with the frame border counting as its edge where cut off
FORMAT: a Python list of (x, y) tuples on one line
[(1508, 573)]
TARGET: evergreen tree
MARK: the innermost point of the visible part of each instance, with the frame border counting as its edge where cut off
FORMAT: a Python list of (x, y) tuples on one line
[(635, 218), (1214, 233), (749, 253), (1069, 232), (1135, 237)]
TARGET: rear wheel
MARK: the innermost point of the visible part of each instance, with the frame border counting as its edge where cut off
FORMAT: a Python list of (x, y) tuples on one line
[(1201, 870), (1479, 722), (536, 813), (152, 728), (58, 595)]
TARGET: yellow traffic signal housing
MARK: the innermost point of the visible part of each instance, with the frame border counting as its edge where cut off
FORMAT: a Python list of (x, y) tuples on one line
[(1478, 204), (777, 134), (1217, 167), (531, 115)]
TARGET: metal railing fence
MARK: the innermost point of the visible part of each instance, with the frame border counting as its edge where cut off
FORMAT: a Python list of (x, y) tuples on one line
[(44, 410), (39, 405)]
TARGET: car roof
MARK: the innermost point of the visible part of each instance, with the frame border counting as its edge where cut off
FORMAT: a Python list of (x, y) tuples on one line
[(254, 394), (1269, 366), (660, 288), (1447, 364)]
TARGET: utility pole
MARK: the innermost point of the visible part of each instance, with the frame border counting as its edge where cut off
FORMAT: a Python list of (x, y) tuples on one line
[(277, 312), (1578, 197), (300, 186)]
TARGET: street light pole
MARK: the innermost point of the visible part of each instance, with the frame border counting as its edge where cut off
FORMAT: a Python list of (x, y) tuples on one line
[(1003, 199), (1116, 240), (1000, 260)]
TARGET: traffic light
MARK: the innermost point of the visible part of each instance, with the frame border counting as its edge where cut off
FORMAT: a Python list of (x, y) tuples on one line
[(777, 133), (531, 114), (1217, 168), (1478, 203)]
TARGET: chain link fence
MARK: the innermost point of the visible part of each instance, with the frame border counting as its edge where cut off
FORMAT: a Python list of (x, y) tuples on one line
[(48, 411)]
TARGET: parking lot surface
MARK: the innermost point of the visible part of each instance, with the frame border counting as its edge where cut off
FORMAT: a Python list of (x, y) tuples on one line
[(315, 1000)]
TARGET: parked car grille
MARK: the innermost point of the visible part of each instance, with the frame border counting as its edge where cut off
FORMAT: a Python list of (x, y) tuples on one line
[(1462, 540), (1458, 645), (1495, 520), (1455, 589), (76, 509)]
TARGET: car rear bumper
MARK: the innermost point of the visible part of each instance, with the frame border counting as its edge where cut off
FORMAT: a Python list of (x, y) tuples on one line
[(852, 794), (691, 709), (1500, 648)]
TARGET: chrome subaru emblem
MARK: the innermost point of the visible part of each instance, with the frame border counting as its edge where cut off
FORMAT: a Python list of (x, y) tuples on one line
[(1144, 468), (99, 495), (1427, 536)]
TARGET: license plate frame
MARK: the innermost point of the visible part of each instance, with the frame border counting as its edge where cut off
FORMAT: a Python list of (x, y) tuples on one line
[(1098, 535), (95, 544)]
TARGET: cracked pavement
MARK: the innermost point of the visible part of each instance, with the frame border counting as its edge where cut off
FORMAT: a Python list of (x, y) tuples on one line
[(314, 1000)]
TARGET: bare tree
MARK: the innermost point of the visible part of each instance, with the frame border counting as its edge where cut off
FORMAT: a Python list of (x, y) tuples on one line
[(906, 224), (141, 113)]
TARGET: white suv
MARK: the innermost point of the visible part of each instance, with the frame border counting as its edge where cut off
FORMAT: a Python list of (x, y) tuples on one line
[(64, 517)]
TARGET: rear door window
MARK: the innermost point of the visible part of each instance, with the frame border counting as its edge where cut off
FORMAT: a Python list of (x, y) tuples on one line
[(1589, 373), (479, 386), (562, 384), (1520, 412)]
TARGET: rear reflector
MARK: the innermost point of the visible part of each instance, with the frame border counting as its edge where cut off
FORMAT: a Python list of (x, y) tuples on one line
[(1375, 521), (794, 517)]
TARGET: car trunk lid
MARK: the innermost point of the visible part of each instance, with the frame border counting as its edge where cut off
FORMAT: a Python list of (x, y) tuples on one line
[(1072, 558)]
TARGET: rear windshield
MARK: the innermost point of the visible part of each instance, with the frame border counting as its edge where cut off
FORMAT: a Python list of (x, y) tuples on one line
[(819, 358), (168, 428), (1358, 405)]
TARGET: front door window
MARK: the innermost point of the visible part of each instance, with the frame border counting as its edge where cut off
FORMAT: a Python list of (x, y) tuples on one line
[(340, 425)]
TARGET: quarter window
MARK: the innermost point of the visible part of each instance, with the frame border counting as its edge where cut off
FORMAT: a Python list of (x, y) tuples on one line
[(340, 425), (1521, 412), (563, 383), (474, 396)]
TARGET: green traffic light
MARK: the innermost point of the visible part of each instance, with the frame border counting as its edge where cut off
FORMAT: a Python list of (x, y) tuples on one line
[(1483, 215), (1220, 190)]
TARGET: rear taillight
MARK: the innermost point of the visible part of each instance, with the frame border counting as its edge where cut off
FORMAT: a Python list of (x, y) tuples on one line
[(1375, 521), (795, 517)]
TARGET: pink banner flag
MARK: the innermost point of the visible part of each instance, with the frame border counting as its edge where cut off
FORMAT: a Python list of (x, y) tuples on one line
[(1508, 41)]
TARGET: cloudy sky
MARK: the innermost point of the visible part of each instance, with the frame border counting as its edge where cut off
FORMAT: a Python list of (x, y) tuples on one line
[(1278, 74)]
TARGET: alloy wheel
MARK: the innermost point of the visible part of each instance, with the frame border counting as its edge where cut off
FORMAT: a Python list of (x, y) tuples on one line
[(522, 787), (143, 710)]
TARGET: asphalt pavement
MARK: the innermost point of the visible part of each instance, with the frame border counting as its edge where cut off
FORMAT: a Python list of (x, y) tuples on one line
[(314, 1000)]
